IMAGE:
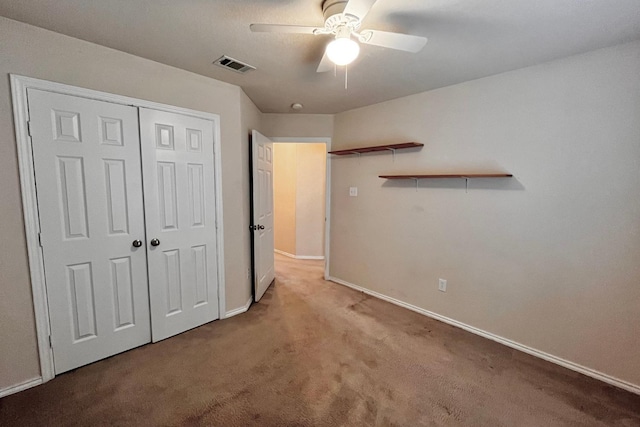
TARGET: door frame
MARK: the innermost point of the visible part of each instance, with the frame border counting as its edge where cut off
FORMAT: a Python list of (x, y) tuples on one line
[(327, 191), (19, 86)]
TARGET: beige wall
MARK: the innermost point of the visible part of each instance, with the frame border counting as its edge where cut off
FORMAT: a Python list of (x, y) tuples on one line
[(284, 192), (550, 258), (30, 51), (297, 125), (310, 199)]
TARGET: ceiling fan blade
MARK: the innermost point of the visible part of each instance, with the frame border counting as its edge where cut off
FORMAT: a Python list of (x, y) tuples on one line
[(325, 64), (358, 8), (276, 28), (396, 41)]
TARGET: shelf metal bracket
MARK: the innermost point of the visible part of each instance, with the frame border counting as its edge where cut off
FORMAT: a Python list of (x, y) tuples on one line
[(416, 180), (393, 150), (466, 184)]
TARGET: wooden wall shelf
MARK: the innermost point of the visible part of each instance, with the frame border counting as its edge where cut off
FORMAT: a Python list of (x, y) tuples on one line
[(466, 177), (388, 147), (428, 176)]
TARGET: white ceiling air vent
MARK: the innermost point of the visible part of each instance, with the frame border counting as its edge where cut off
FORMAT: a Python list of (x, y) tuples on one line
[(233, 64)]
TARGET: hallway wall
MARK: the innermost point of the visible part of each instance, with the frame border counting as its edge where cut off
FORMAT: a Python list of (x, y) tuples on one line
[(310, 199), (299, 204), (285, 169)]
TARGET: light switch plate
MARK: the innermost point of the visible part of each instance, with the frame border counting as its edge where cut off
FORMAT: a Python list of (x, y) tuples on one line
[(353, 191)]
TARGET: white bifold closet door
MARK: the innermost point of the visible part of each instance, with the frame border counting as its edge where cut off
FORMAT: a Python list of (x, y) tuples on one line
[(89, 189), (179, 191), (114, 282)]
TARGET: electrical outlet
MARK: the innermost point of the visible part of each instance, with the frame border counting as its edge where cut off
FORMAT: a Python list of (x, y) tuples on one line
[(442, 285), (248, 273), (353, 191)]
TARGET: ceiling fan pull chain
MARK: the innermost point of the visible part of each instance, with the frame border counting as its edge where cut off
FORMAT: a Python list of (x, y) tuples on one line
[(346, 78)]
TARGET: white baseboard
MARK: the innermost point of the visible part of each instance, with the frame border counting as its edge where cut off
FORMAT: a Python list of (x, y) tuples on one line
[(278, 251), (625, 385), (37, 381), (238, 310), (19, 387)]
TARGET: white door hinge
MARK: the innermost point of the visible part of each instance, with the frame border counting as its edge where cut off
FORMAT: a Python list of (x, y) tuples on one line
[(40, 239), (50, 344), (29, 128)]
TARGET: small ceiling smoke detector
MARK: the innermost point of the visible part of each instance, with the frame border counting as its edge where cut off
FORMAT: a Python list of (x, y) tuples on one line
[(297, 106), (233, 64)]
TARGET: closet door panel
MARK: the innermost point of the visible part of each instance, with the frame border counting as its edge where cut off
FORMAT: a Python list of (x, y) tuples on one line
[(89, 191), (179, 190)]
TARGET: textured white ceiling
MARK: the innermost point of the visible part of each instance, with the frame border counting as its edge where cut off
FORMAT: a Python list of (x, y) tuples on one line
[(468, 39)]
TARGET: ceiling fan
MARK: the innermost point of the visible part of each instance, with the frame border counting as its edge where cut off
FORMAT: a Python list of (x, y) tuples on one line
[(342, 19)]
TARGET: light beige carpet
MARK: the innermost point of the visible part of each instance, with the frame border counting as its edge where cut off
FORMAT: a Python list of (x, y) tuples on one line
[(313, 353)]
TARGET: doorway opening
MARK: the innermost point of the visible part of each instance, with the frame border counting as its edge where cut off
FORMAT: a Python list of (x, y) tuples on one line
[(262, 160), (299, 188)]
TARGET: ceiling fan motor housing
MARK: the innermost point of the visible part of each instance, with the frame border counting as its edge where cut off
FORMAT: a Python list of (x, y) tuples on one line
[(334, 18)]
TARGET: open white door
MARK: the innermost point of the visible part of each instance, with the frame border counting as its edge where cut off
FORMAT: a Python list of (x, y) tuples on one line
[(180, 211), (89, 189), (262, 157)]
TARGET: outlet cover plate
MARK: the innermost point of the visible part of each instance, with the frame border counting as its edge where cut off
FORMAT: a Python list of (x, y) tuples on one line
[(442, 285)]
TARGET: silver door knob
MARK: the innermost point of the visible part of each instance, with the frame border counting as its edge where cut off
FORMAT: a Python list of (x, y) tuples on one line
[(261, 227), (137, 243), (155, 242)]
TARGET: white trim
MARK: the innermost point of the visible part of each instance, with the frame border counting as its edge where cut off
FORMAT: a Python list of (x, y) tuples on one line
[(287, 254), (32, 224), (217, 162), (327, 215), (30, 82), (19, 86), (239, 310), (302, 140), (625, 385), (327, 192), (19, 387), (310, 257)]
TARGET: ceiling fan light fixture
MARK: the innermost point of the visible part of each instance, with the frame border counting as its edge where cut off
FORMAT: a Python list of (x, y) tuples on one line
[(343, 50)]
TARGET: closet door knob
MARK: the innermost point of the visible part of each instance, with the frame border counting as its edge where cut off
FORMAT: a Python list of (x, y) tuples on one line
[(261, 227), (137, 243), (155, 242)]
